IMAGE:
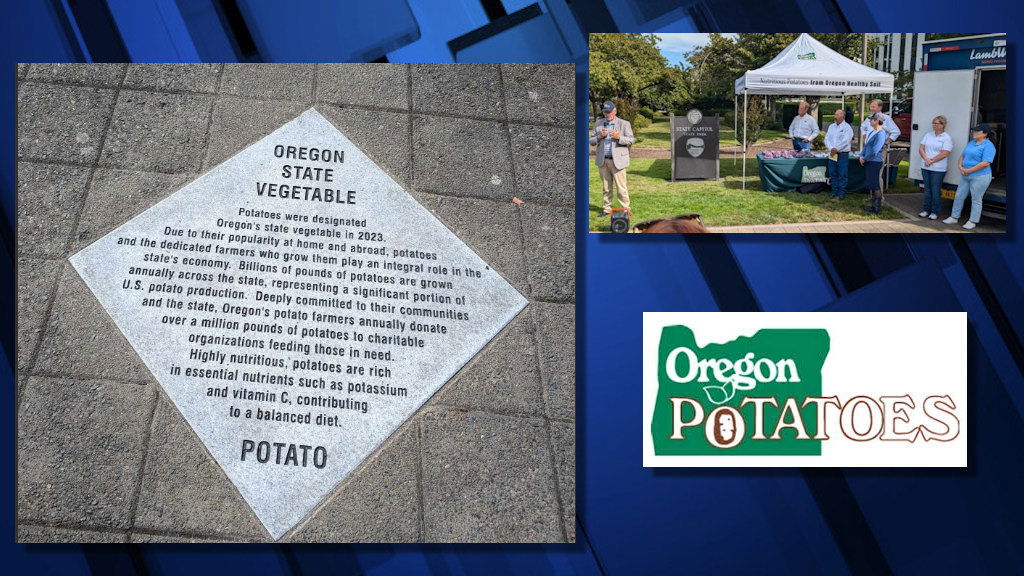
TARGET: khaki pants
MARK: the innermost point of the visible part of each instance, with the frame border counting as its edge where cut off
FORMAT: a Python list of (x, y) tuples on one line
[(610, 174)]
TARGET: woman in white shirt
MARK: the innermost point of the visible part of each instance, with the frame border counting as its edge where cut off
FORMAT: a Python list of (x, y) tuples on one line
[(934, 149)]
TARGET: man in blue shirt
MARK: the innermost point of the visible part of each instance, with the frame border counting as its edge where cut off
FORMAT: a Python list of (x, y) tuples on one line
[(975, 175)]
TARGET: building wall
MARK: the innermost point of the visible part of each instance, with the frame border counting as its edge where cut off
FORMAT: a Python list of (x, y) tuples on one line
[(899, 52)]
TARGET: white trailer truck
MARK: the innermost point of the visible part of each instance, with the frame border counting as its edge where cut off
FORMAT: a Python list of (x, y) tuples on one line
[(963, 79)]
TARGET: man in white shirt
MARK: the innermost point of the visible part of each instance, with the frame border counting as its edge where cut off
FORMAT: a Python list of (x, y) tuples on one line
[(837, 141), (892, 131), (803, 128)]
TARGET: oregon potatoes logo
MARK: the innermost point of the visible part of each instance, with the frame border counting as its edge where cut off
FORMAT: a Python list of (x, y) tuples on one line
[(787, 392), (712, 398)]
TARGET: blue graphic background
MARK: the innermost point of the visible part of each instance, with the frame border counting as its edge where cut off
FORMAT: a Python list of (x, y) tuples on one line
[(631, 520)]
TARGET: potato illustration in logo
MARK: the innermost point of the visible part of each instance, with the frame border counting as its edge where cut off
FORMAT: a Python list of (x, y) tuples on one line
[(726, 428)]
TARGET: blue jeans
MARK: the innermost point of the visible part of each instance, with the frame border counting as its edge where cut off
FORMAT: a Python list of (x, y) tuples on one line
[(975, 186), (932, 190), (837, 173), (801, 145)]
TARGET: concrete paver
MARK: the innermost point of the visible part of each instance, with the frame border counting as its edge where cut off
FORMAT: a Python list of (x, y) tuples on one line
[(269, 81), (377, 85), (378, 504), (36, 283), (544, 173), (116, 196), (556, 343), (80, 450), (504, 377), (184, 77), (488, 478), (157, 131), (89, 74), (462, 157), (454, 89), (183, 488), (383, 136), (491, 228), (62, 123), (540, 93), (549, 236), (238, 122), (51, 199)]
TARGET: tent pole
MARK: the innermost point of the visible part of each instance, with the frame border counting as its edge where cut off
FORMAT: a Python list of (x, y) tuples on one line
[(744, 138), (885, 163), (860, 135), (863, 96)]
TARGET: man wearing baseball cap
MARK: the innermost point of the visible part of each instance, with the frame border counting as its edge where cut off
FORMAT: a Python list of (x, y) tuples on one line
[(612, 136)]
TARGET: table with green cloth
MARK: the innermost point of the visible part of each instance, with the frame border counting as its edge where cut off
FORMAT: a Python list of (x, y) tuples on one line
[(784, 174)]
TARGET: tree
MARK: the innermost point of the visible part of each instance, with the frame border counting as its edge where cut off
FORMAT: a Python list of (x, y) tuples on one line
[(903, 84), (715, 66), (711, 73), (671, 90), (624, 66), (948, 35), (757, 120)]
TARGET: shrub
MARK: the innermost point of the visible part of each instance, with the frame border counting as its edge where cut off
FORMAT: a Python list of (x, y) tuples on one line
[(646, 112), (819, 142), (627, 110), (787, 112), (827, 109), (757, 120), (631, 113)]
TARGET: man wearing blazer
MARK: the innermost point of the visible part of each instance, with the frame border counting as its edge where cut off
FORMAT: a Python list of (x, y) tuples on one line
[(612, 136)]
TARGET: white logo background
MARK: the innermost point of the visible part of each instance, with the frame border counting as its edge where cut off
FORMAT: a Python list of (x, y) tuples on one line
[(872, 354)]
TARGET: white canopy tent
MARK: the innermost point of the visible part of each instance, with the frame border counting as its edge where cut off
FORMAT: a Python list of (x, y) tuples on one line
[(808, 67)]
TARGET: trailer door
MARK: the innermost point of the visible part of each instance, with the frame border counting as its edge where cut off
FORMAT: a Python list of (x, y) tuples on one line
[(948, 93)]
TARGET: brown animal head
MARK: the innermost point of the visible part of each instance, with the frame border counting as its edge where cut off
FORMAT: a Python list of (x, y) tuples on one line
[(685, 223)]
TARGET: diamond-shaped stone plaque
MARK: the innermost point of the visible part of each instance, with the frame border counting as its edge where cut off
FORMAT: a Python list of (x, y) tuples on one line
[(297, 305)]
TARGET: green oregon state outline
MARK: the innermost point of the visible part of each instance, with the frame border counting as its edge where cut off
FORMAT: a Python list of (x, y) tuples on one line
[(807, 347)]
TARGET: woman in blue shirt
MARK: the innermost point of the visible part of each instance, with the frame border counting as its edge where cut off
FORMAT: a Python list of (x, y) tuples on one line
[(871, 160), (975, 175)]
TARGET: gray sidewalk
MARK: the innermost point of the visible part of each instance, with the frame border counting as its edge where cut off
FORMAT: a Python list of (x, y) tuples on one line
[(104, 456)]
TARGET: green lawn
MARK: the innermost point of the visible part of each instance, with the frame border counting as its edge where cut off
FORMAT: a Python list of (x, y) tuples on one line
[(726, 137), (725, 203), (657, 135)]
